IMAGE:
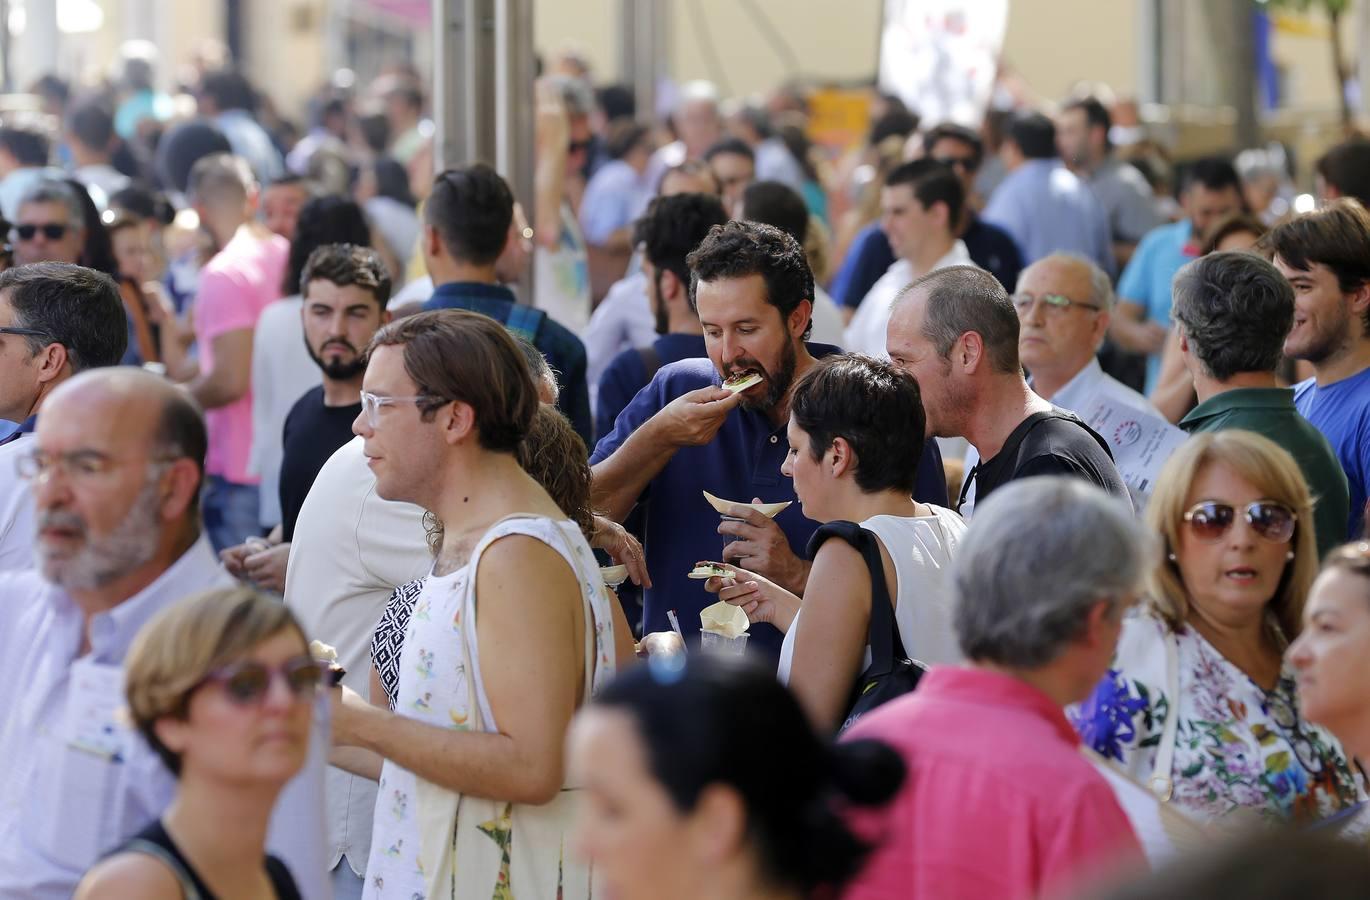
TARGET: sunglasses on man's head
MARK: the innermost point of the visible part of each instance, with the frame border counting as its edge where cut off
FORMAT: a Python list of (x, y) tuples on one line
[(51, 231), (1271, 521)]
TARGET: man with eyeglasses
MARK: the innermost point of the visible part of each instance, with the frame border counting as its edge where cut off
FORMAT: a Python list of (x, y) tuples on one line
[(115, 469), (990, 247), (956, 332), (1063, 304), (55, 320), (1233, 311)]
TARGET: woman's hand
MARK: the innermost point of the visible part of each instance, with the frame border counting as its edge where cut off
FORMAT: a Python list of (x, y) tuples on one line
[(761, 599)]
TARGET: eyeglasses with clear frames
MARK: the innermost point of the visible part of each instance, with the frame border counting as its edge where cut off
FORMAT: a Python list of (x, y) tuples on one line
[(82, 465), (1055, 303), (372, 403)]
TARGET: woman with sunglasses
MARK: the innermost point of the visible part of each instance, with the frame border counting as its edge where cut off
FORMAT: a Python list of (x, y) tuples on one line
[(1198, 704), (222, 686)]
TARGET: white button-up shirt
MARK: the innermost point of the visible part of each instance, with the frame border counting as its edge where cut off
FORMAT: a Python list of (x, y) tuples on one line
[(62, 808), (867, 331), (16, 508)]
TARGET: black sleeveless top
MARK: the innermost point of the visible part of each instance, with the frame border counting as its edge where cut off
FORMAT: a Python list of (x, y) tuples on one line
[(154, 841)]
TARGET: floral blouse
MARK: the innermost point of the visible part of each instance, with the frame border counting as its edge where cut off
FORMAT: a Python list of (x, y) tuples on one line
[(1237, 747)]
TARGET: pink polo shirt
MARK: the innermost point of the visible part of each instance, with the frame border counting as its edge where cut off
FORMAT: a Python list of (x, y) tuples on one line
[(235, 286), (998, 801)]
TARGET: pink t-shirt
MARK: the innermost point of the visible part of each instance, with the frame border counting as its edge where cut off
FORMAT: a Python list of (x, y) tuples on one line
[(998, 800), (235, 286)]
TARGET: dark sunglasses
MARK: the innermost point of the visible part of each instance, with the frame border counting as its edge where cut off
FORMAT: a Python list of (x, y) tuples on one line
[(1272, 521), (246, 683), (51, 231), (956, 162)]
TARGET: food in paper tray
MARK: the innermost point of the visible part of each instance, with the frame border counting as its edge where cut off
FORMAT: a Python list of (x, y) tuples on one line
[(769, 510), (724, 620), (704, 570), (740, 381), (614, 575), (328, 655)]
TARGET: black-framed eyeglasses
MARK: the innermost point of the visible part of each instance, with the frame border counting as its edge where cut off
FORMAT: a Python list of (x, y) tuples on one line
[(53, 231), (24, 332)]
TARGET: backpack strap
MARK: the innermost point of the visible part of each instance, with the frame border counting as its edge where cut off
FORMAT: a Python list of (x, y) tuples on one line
[(525, 321), (886, 646), (1021, 433)]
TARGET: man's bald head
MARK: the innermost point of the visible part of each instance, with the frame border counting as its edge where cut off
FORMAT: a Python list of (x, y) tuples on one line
[(146, 410), (117, 464)]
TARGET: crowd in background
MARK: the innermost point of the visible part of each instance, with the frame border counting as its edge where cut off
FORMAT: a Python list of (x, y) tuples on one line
[(264, 385)]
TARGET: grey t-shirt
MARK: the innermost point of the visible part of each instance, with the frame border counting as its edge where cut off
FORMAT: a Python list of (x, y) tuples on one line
[(1127, 200)]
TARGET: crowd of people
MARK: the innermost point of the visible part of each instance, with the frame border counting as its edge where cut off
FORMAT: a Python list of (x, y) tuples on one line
[(310, 508)]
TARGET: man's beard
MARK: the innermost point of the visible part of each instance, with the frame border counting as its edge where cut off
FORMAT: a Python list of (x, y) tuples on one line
[(777, 382), (1325, 342), (103, 558), (337, 370)]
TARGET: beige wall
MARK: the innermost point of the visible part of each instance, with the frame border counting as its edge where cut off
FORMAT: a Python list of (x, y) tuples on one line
[(1052, 44)]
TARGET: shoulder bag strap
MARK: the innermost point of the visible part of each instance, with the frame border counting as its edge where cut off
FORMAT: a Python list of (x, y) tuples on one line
[(1161, 784), (883, 636), (168, 859)]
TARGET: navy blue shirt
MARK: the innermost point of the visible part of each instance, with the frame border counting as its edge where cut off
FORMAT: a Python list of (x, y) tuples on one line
[(743, 461), (564, 351), (626, 374), (990, 247)]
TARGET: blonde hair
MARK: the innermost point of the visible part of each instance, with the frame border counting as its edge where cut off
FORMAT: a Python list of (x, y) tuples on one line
[(174, 652), (1273, 472)]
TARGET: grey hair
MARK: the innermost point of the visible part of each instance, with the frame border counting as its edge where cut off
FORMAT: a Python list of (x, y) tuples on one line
[(1021, 598), (544, 377), (967, 298), (1100, 287), (51, 190), (1235, 308)]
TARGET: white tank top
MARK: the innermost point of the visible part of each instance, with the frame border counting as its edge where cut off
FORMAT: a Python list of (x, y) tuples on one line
[(921, 548)]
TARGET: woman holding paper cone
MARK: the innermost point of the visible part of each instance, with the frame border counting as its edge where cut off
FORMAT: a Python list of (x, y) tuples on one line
[(1198, 703), (856, 431)]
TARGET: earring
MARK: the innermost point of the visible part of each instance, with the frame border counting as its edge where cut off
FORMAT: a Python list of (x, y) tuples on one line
[(1289, 555), (1170, 556)]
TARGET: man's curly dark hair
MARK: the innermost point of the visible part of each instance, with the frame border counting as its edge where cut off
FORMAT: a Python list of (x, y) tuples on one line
[(738, 249)]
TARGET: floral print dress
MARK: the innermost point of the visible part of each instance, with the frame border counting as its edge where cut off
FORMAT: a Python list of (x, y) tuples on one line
[(1239, 750), (429, 842)]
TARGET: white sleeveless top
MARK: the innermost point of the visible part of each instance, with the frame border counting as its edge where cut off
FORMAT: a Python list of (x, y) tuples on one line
[(422, 833), (921, 548)]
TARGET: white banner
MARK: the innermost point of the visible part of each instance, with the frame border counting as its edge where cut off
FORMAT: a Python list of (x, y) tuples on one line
[(940, 56)]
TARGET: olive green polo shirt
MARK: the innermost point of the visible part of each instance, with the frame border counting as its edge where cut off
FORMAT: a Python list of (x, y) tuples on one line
[(1270, 412)]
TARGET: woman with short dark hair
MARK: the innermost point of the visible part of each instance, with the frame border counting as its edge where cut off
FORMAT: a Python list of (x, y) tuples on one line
[(856, 434)]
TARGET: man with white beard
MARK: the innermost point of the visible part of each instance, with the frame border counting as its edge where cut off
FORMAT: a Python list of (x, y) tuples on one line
[(115, 468)]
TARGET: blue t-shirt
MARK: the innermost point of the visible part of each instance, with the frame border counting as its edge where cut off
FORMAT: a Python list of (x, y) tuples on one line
[(741, 462), (1146, 280), (626, 375), (1341, 411)]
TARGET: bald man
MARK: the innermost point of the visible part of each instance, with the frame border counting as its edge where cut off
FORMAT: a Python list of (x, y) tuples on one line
[(115, 468)]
